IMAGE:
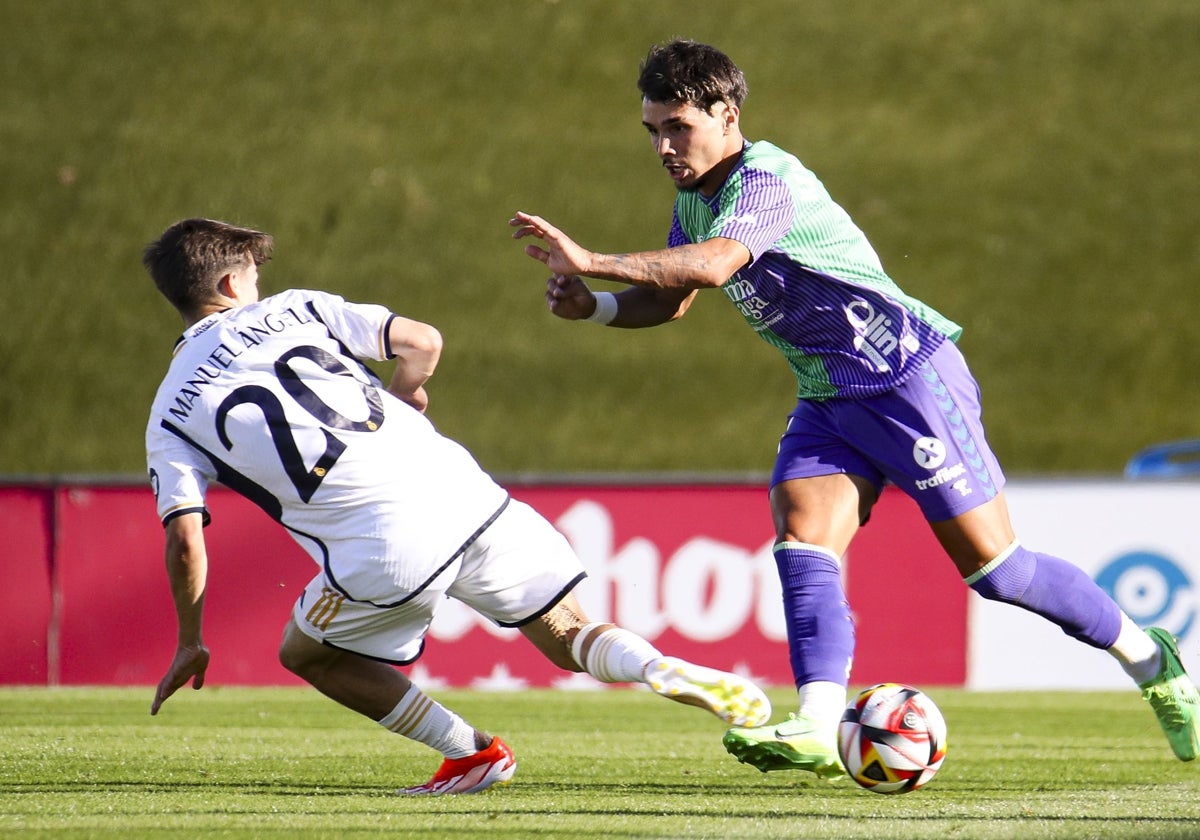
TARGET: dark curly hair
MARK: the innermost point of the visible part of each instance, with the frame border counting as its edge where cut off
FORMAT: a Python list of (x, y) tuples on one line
[(688, 71)]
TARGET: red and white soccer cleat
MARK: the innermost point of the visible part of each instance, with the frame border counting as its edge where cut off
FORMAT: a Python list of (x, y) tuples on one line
[(492, 766)]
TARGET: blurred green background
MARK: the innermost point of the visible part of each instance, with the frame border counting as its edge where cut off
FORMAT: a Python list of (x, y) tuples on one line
[(1031, 169)]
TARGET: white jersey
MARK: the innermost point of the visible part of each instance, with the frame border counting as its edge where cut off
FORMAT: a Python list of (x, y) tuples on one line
[(272, 400)]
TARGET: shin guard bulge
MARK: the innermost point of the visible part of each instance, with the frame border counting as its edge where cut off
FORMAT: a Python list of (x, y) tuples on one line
[(819, 626)]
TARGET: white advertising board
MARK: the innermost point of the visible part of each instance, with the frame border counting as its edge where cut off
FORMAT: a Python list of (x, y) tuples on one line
[(1140, 540)]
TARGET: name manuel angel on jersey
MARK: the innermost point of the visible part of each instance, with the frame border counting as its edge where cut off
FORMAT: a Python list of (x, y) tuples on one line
[(222, 356)]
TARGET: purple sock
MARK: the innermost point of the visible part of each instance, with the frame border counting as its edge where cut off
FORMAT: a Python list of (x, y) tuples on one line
[(1057, 591), (819, 627)]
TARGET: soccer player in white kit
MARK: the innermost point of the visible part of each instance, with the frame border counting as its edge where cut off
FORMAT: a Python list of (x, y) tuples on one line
[(271, 398)]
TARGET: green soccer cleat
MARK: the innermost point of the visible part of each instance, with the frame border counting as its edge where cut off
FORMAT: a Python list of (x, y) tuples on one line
[(735, 700), (1173, 696), (794, 744)]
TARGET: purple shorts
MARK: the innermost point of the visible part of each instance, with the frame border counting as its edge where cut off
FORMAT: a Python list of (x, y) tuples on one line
[(925, 436)]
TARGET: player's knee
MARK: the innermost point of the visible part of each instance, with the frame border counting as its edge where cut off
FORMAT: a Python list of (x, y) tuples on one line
[(291, 659), (1007, 577), (300, 654)]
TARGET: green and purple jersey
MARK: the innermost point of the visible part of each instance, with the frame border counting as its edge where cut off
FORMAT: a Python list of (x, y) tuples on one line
[(814, 287)]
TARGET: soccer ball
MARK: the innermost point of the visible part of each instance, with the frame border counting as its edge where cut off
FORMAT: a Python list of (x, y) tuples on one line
[(892, 738)]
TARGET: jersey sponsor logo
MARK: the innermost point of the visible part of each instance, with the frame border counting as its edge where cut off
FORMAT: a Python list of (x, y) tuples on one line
[(874, 337), (947, 475), (736, 289), (929, 453), (753, 307)]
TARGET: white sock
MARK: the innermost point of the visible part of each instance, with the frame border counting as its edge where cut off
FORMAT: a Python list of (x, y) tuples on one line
[(823, 703), (1136, 651), (616, 654), (429, 722)]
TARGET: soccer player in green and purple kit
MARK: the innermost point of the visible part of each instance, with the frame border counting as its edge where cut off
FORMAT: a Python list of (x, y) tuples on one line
[(884, 396)]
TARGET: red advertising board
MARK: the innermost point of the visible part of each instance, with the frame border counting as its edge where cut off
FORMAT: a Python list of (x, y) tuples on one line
[(687, 566), (118, 623), (26, 598), (690, 568)]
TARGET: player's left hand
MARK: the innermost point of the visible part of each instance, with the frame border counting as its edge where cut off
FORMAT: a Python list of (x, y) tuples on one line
[(561, 255), (190, 663), (569, 297)]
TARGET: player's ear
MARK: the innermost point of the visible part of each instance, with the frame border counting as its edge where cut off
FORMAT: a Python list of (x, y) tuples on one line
[(729, 117), (239, 282), (225, 285)]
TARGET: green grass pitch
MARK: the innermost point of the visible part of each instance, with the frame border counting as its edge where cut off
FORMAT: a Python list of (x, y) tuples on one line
[(238, 762)]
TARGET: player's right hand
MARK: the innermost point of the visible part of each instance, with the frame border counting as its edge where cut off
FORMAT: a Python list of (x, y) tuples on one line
[(190, 663), (562, 255)]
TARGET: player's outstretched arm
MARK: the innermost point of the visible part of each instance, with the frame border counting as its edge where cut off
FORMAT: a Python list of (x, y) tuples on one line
[(571, 299), (187, 570), (699, 265), (417, 348)]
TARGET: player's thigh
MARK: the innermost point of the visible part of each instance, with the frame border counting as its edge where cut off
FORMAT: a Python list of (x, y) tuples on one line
[(822, 510), (928, 438), (518, 569), (815, 445), (823, 485)]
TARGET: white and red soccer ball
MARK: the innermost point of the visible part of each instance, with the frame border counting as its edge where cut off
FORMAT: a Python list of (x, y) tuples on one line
[(892, 738)]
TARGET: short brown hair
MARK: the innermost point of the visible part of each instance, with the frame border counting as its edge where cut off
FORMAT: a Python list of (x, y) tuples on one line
[(691, 72), (192, 255)]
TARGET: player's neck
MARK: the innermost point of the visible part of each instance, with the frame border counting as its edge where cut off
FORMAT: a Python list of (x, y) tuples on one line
[(198, 315)]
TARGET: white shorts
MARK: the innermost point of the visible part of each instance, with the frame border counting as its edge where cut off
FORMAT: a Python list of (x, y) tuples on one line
[(512, 573)]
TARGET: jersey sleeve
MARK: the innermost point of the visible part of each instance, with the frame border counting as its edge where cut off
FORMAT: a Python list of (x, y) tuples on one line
[(759, 214), (362, 327), (179, 476)]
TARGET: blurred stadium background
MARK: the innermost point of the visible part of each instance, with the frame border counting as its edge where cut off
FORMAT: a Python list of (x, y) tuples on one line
[(1029, 168)]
